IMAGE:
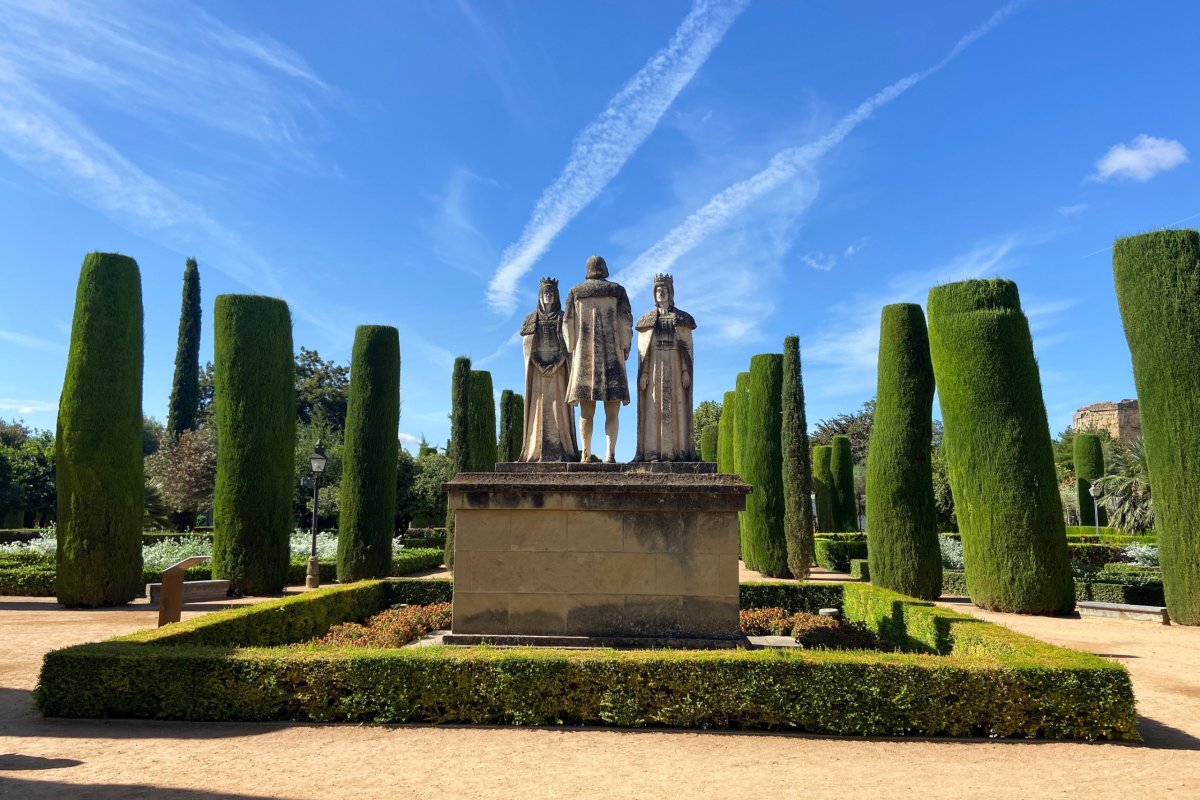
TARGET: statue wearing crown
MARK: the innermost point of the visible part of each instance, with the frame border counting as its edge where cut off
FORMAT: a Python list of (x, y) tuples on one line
[(665, 372), (549, 420)]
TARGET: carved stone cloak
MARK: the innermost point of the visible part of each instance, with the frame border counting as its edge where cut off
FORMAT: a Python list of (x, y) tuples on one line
[(597, 327)]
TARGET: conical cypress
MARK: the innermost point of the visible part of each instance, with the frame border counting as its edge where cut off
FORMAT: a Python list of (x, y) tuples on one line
[(481, 428), (254, 379), (725, 434), (1158, 291), (98, 446), (997, 449), (369, 460), (845, 506), (822, 461), (902, 535), (797, 471), (709, 442), (1089, 465), (762, 468), (741, 388), (460, 448), (185, 387)]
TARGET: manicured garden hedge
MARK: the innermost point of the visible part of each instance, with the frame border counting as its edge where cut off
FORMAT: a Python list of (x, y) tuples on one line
[(822, 481), (1149, 594), (841, 466), (990, 681), (1089, 465), (860, 568), (836, 554), (725, 434), (763, 545)]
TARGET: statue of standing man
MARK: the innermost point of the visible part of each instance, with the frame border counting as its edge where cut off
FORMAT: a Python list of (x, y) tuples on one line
[(598, 328)]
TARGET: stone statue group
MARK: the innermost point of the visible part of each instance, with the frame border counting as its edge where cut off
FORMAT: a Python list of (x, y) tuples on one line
[(575, 356)]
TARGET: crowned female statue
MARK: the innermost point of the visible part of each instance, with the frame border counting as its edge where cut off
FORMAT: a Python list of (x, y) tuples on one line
[(665, 359), (549, 421)]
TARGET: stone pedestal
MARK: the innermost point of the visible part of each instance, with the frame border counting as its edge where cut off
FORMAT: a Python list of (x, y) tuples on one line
[(618, 553)]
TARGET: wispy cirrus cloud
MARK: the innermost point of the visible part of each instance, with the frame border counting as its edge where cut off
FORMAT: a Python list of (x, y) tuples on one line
[(1140, 160), (604, 146), (32, 342), (11, 404), (786, 166)]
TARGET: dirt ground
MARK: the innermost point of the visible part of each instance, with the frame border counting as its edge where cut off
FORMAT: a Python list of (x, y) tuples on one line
[(141, 759)]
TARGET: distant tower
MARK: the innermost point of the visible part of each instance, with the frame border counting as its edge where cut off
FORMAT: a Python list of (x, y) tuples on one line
[(1121, 420)]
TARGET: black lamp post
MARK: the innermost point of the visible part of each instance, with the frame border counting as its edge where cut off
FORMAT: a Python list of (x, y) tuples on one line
[(312, 579), (1094, 491)]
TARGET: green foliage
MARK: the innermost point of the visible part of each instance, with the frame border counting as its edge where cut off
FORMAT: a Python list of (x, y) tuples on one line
[(1125, 497), (256, 420), (705, 414), (901, 515), (822, 478), (860, 568), (997, 449), (841, 467), (185, 386), (368, 501), (1089, 465), (836, 554), (856, 425), (791, 597), (708, 442), (459, 450), (726, 435), (98, 456), (512, 423), (482, 425), (764, 547), (1100, 591), (322, 390), (330, 496), (991, 682), (741, 406), (184, 470), (797, 469)]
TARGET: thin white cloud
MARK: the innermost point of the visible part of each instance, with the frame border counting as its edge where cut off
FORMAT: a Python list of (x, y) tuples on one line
[(603, 147), (784, 167), (408, 438), (32, 342), (1070, 211), (819, 261), (454, 238), (27, 406), (1140, 160), (854, 247)]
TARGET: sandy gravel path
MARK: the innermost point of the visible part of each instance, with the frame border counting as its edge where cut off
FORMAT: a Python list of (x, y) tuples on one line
[(139, 759)]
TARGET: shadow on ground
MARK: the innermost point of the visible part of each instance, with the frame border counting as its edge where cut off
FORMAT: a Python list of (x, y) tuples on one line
[(15, 787)]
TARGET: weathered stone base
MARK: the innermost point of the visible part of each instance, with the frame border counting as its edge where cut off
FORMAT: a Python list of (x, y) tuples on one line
[(616, 555), (617, 642), (671, 467)]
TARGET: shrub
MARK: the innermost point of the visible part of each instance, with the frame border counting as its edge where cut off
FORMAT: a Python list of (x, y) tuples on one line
[(836, 554), (1088, 558), (952, 554), (725, 435), (791, 597), (770, 621), (708, 442), (822, 478), (481, 429), (1144, 554), (816, 632), (797, 469), (1158, 282), (368, 499), (1089, 465), (1129, 574), (841, 467), (954, 583), (860, 568), (98, 446), (395, 627), (997, 448), (763, 544), (902, 532), (255, 395), (460, 446)]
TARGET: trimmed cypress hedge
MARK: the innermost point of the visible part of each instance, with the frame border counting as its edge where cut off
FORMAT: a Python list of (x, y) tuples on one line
[(764, 546), (368, 499), (841, 465), (481, 427), (185, 386), (902, 519), (98, 445), (709, 442), (509, 437), (1089, 465), (822, 478), (1147, 594), (517, 409), (460, 446), (255, 395), (797, 470), (726, 435), (1158, 291), (836, 554), (997, 449), (741, 387)]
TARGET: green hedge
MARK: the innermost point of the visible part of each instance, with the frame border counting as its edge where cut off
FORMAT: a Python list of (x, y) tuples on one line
[(481, 428), (1150, 594), (860, 568), (836, 554), (98, 444), (1089, 465), (763, 545), (990, 682), (822, 478), (904, 553), (368, 499), (1158, 282), (725, 435), (1081, 533), (791, 597), (255, 397), (841, 467), (997, 448), (797, 468), (1093, 557), (709, 442)]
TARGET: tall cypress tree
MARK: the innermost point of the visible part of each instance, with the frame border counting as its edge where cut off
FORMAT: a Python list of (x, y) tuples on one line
[(98, 446), (822, 472), (505, 446), (185, 386), (902, 538), (797, 470), (997, 449), (481, 426), (762, 468), (1158, 286), (709, 437), (369, 456), (726, 434), (518, 427), (1089, 465), (845, 506), (460, 448), (741, 388), (255, 393)]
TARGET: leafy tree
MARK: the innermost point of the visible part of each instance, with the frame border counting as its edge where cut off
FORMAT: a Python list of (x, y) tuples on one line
[(32, 465), (12, 499), (707, 413), (185, 385), (184, 471), (13, 434), (856, 426), (943, 497), (330, 490), (322, 389), (429, 499), (152, 434), (1125, 490), (204, 403)]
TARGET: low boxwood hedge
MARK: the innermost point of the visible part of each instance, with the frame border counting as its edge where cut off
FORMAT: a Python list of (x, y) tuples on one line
[(836, 554), (1140, 594), (860, 568), (990, 681)]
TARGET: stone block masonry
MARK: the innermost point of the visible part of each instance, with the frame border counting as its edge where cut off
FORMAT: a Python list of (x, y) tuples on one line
[(626, 553)]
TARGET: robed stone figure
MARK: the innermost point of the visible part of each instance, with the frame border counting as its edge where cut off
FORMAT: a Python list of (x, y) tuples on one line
[(549, 420), (665, 362), (598, 328)]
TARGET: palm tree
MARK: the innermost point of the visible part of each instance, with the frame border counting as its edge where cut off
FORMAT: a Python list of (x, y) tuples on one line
[(1126, 487)]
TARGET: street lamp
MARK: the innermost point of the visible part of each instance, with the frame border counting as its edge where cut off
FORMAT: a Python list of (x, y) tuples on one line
[(1094, 491), (813, 498), (312, 578)]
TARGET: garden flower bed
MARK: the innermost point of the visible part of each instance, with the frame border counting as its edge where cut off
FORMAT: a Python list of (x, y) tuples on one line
[(951, 674)]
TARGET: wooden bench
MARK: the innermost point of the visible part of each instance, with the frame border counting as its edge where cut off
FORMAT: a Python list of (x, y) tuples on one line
[(1093, 608), (193, 591)]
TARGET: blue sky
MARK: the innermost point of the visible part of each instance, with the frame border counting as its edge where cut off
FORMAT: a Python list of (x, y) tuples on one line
[(795, 165)]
